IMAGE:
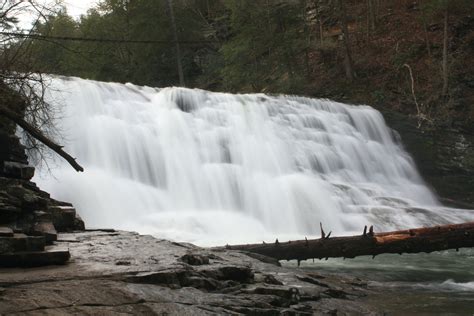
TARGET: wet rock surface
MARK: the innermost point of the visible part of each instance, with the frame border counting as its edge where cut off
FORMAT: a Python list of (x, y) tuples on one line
[(114, 272)]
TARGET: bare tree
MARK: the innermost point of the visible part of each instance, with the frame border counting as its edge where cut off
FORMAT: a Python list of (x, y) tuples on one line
[(22, 89)]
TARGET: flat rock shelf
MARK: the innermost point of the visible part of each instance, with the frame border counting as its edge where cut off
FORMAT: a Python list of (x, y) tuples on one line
[(123, 272)]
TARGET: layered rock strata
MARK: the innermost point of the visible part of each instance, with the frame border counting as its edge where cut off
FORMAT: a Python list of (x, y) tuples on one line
[(29, 218)]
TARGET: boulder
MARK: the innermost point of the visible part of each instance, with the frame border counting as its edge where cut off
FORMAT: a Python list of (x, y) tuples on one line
[(45, 229), (63, 217)]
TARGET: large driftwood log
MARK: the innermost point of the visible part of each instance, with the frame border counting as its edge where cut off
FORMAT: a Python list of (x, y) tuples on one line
[(33, 131), (427, 239)]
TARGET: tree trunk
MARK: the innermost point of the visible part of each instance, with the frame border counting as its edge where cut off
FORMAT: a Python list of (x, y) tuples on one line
[(175, 38), (368, 20), (445, 51), (425, 31), (320, 22), (427, 239), (208, 10), (348, 64), (373, 16), (321, 34), (269, 24)]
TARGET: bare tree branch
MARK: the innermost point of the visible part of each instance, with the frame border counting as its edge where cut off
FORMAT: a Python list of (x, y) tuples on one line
[(37, 134)]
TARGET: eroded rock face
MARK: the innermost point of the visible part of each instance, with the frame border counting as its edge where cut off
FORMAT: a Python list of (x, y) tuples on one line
[(122, 272)]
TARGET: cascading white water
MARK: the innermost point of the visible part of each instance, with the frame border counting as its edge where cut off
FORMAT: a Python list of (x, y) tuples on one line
[(216, 168)]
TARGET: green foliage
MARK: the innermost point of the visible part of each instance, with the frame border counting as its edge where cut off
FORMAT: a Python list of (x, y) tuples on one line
[(262, 44), (152, 64)]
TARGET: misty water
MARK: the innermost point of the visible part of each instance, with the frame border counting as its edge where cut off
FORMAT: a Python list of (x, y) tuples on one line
[(216, 168)]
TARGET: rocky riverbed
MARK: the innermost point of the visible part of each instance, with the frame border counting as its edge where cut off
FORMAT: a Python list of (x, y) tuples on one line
[(114, 272)]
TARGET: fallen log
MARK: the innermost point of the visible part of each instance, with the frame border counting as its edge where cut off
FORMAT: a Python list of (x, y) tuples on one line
[(426, 239), (36, 133)]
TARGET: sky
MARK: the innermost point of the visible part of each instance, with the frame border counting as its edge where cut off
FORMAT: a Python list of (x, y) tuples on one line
[(78, 7), (74, 7)]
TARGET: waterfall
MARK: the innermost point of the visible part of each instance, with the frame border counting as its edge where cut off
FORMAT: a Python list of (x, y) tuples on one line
[(217, 168)]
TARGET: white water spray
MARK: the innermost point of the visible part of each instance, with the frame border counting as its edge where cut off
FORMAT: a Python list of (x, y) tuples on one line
[(216, 168)]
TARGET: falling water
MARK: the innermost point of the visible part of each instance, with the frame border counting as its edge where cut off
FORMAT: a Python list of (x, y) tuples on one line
[(214, 168)]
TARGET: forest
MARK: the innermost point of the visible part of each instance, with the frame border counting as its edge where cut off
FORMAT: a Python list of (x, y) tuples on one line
[(219, 147), (414, 57)]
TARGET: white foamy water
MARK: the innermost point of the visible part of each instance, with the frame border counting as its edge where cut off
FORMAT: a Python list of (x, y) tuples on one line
[(446, 286), (216, 168)]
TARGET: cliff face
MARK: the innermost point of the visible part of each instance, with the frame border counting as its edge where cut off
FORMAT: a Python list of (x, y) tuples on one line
[(444, 157)]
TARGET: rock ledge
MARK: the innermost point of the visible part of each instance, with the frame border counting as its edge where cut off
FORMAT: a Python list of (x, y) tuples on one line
[(123, 272)]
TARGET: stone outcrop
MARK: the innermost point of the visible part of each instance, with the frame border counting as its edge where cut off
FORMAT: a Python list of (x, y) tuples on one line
[(444, 157), (29, 218)]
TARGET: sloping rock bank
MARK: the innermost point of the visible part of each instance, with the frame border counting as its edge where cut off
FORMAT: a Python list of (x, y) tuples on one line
[(114, 272)]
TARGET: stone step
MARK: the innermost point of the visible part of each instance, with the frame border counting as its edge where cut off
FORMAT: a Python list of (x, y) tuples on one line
[(6, 232), (50, 256), (62, 203), (63, 217), (17, 170), (41, 216), (46, 229), (30, 200), (21, 242)]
